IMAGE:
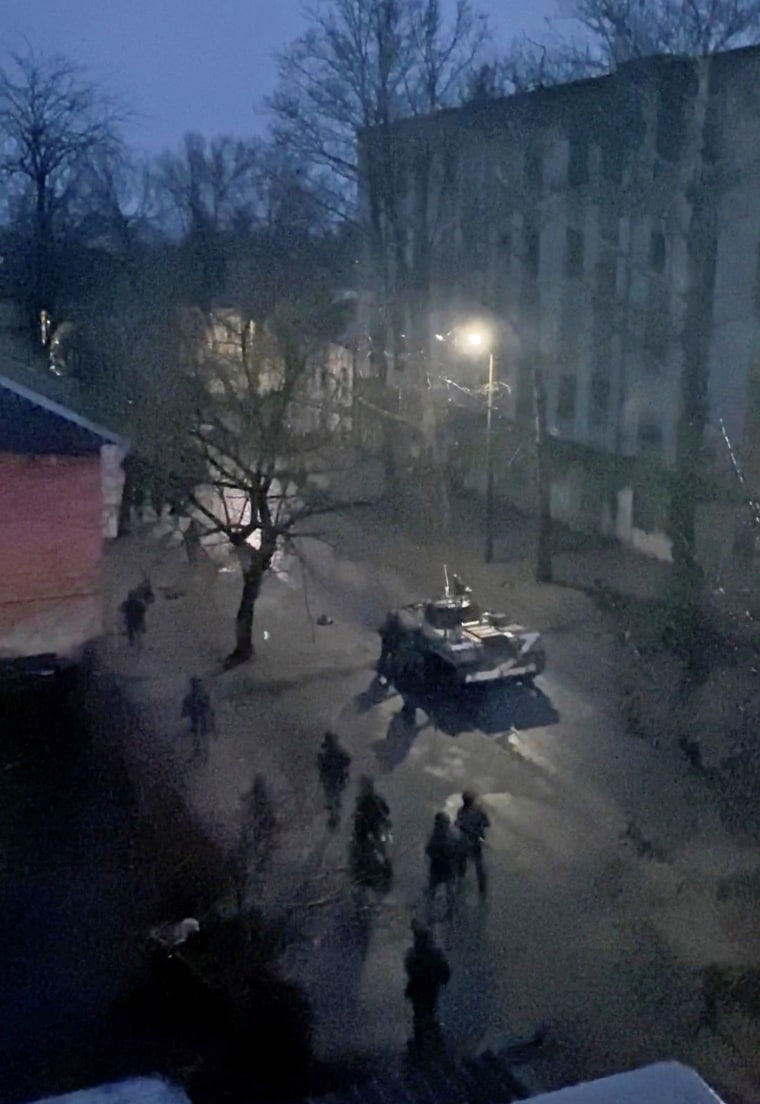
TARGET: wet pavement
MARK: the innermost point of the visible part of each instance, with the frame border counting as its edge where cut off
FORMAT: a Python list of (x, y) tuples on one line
[(581, 928)]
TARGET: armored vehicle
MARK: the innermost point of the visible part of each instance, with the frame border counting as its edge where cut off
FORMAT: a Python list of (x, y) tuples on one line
[(459, 645)]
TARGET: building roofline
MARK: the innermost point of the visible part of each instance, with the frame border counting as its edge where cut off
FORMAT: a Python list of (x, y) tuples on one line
[(548, 91), (62, 412)]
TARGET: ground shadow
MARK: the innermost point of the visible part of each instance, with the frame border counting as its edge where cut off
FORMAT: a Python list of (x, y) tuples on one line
[(397, 744), (493, 710), (94, 856)]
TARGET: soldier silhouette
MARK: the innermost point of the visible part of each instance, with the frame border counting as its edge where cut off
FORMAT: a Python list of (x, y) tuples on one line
[(472, 823), (443, 856), (427, 971), (197, 707), (333, 763)]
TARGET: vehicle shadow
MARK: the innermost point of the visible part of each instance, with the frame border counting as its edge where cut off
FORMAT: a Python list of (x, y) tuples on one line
[(398, 742), (492, 710)]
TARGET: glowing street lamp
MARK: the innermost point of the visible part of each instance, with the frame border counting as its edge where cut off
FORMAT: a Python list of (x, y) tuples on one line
[(481, 341)]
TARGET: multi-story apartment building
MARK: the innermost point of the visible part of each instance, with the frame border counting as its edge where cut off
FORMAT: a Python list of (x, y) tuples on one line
[(612, 229)]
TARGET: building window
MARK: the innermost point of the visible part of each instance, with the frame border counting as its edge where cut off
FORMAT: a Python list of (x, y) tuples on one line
[(531, 250), (566, 399), (533, 170), (600, 400), (675, 89), (649, 437), (657, 252), (577, 168), (573, 253), (657, 336), (756, 288), (648, 512)]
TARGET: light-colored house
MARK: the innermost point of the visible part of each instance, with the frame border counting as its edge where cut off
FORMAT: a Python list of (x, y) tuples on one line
[(321, 404)]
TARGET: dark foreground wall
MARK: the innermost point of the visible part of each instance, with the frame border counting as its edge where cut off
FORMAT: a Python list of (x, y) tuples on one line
[(85, 869)]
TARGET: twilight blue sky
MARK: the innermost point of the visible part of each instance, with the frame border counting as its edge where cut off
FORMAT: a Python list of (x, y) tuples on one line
[(191, 64)]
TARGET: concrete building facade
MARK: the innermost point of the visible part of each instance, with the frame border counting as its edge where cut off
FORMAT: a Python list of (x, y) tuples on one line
[(612, 229)]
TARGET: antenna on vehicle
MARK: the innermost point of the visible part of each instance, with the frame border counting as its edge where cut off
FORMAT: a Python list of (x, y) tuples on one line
[(447, 589)]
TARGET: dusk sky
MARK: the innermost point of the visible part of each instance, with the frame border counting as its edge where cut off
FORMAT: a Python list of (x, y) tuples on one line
[(201, 65)]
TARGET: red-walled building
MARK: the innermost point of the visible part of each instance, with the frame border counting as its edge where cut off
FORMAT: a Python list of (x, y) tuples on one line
[(52, 507)]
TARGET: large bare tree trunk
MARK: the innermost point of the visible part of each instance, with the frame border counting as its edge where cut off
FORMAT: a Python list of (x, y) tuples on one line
[(543, 483), (253, 567), (244, 618), (701, 196)]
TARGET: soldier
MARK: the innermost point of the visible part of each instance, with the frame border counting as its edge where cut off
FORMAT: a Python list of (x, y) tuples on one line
[(372, 815), (442, 853), (333, 763), (426, 971), (133, 611), (370, 863), (472, 823), (409, 677), (197, 706), (390, 638)]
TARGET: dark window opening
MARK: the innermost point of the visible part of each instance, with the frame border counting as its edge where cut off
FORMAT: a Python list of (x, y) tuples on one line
[(676, 85), (613, 159), (531, 251), (533, 169), (600, 400), (606, 277), (648, 511), (649, 437), (574, 248), (577, 169), (658, 327), (657, 252), (756, 289), (566, 398)]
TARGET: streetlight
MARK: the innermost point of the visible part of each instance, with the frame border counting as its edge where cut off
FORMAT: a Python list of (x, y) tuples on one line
[(480, 341)]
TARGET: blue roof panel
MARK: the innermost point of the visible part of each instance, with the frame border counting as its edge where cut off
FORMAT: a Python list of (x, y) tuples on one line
[(32, 425)]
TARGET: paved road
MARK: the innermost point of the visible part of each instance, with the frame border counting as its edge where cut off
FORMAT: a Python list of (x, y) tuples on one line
[(580, 928), (599, 932)]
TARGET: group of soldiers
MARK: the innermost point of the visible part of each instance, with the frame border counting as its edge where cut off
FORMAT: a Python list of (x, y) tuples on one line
[(449, 851), (196, 705)]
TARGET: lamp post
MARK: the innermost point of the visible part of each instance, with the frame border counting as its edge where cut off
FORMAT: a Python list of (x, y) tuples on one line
[(479, 342)]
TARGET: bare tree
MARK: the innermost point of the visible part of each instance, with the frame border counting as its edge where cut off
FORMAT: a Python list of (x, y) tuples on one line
[(613, 32), (266, 431), (626, 29), (362, 66), (53, 123), (369, 63), (117, 205), (210, 184), (210, 191)]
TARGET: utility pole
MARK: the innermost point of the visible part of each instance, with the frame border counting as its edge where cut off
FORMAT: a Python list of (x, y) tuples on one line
[(489, 462)]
